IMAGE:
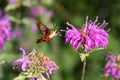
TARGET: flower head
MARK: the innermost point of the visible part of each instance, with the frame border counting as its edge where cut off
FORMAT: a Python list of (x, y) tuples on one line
[(11, 1), (5, 30), (112, 68), (35, 11), (51, 66), (41, 11), (87, 37), (23, 62), (35, 63)]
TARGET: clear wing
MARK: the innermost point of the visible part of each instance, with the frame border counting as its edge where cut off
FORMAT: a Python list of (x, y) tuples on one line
[(43, 29)]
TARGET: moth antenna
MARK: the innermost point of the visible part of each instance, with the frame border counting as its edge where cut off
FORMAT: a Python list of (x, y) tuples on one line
[(58, 33), (53, 22), (54, 25)]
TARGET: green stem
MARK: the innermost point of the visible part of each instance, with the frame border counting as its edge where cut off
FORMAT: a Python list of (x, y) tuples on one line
[(83, 70)]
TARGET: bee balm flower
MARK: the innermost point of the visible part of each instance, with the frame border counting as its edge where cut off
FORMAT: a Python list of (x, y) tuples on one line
[(112, 68), (35, 63), (24, 62), (5, 30), (88, 36)]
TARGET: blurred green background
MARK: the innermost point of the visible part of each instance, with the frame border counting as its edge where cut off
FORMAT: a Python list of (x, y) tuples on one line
[(75, 12)]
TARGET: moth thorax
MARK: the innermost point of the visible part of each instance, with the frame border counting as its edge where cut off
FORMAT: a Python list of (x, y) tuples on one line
[(52, 34)]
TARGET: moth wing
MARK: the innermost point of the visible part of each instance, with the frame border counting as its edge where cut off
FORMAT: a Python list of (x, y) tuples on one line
[(44, 30)]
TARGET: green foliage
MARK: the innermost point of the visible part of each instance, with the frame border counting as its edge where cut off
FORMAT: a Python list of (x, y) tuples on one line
[(10, 7), (20, 78)]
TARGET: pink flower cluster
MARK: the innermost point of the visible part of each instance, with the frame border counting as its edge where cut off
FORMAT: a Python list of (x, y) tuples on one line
[(41, 10), (38, 64), (5, 30), (112, 68), (23, 62), (89, 35)]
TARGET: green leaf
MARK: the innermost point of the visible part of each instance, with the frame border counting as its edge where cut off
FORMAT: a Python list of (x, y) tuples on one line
[(96, 49), (2, 62), (14, 19), (20, 78), (27, 4), (10, 7), (83, 56), (27, 21)]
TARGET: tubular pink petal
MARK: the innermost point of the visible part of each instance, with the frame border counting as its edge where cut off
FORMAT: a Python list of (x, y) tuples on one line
[(23, 51)]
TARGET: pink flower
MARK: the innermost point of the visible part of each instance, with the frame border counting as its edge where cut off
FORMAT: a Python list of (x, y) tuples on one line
[(11, 1), (37, 10), (5, 31), (41, 10), (112, 67), (88, 36), (24, 62), (39, 66), (52, 67)]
